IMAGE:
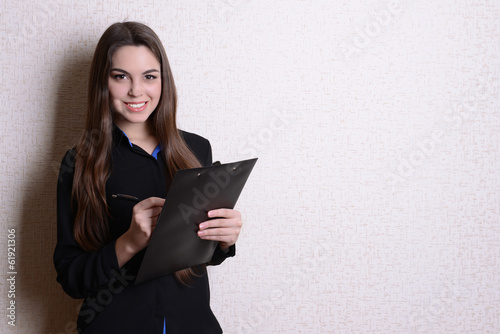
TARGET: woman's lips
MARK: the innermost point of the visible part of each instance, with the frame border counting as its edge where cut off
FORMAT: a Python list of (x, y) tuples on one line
[(136, 107)]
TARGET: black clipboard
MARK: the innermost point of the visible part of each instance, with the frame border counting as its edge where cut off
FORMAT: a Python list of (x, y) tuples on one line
[(175, 244)]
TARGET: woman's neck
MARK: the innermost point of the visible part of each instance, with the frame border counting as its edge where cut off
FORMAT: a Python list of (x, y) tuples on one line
[(137, 131), (140, 134)]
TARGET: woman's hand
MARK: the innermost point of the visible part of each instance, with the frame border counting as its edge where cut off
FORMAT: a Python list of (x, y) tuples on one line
[(144, 217), (224, 228)]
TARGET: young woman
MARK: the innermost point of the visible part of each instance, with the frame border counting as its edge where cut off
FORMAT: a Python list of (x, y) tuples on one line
[(131, 145)]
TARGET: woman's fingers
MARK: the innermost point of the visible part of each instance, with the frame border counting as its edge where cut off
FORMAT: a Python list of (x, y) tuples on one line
[(222, 218), (224, 213), (153, 212), (149, 203), (218, 233), (225, 228), (144, 217), (221, 224), (148, 208)]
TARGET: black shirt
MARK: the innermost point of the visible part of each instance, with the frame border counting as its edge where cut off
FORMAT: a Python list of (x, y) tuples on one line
[(113, 303)]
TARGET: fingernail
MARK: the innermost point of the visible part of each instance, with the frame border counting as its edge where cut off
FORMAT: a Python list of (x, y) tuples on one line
[(202, 226), (210, 213)]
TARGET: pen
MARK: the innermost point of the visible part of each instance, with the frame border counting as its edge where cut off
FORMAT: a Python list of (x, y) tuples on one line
[(128, 197)]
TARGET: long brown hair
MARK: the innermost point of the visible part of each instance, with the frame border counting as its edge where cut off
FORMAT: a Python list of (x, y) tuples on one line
[(93, 150)]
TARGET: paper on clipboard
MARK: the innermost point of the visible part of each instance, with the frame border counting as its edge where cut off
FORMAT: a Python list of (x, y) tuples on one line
[(175, 244)]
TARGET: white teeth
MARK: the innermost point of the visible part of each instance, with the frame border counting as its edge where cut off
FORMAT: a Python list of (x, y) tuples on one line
[(136, 105)]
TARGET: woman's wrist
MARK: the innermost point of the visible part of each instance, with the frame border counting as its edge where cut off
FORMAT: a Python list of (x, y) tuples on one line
[(224, 247), (124, 249)]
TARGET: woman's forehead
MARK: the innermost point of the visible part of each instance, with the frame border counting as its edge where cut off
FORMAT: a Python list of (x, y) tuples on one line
[(134, 57)]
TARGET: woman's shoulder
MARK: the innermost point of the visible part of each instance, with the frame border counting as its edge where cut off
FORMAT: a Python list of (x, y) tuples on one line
[(195, 142), (67, 167), (193, 139), (199, 145), (69, 158)]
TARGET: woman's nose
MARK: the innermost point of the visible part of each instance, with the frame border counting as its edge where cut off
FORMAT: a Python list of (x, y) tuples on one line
[(136, 89)]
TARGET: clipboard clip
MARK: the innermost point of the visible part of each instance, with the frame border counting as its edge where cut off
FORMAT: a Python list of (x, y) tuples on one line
[(214, 164), (218, 163)]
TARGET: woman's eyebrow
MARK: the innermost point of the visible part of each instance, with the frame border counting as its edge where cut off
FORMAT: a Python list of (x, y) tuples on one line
[(125, 72), (151, 71)]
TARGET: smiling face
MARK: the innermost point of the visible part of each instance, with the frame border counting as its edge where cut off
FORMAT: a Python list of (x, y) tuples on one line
[(134, 85)]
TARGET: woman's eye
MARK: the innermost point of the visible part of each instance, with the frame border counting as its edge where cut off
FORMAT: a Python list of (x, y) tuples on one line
[(120, 76), (150, 77)]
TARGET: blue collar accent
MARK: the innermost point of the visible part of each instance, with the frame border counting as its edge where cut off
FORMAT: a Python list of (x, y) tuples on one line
[(155, 152)]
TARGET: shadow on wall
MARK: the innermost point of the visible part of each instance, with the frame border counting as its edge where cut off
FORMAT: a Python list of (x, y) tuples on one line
[(42, 297)]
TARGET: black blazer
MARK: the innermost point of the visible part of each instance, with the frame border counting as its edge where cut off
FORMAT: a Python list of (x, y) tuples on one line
[(112, 302)]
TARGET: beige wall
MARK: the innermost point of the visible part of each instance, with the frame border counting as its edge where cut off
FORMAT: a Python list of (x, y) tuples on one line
[(374, 207)]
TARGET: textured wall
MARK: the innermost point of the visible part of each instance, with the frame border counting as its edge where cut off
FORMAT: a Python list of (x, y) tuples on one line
[(375, 205)]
